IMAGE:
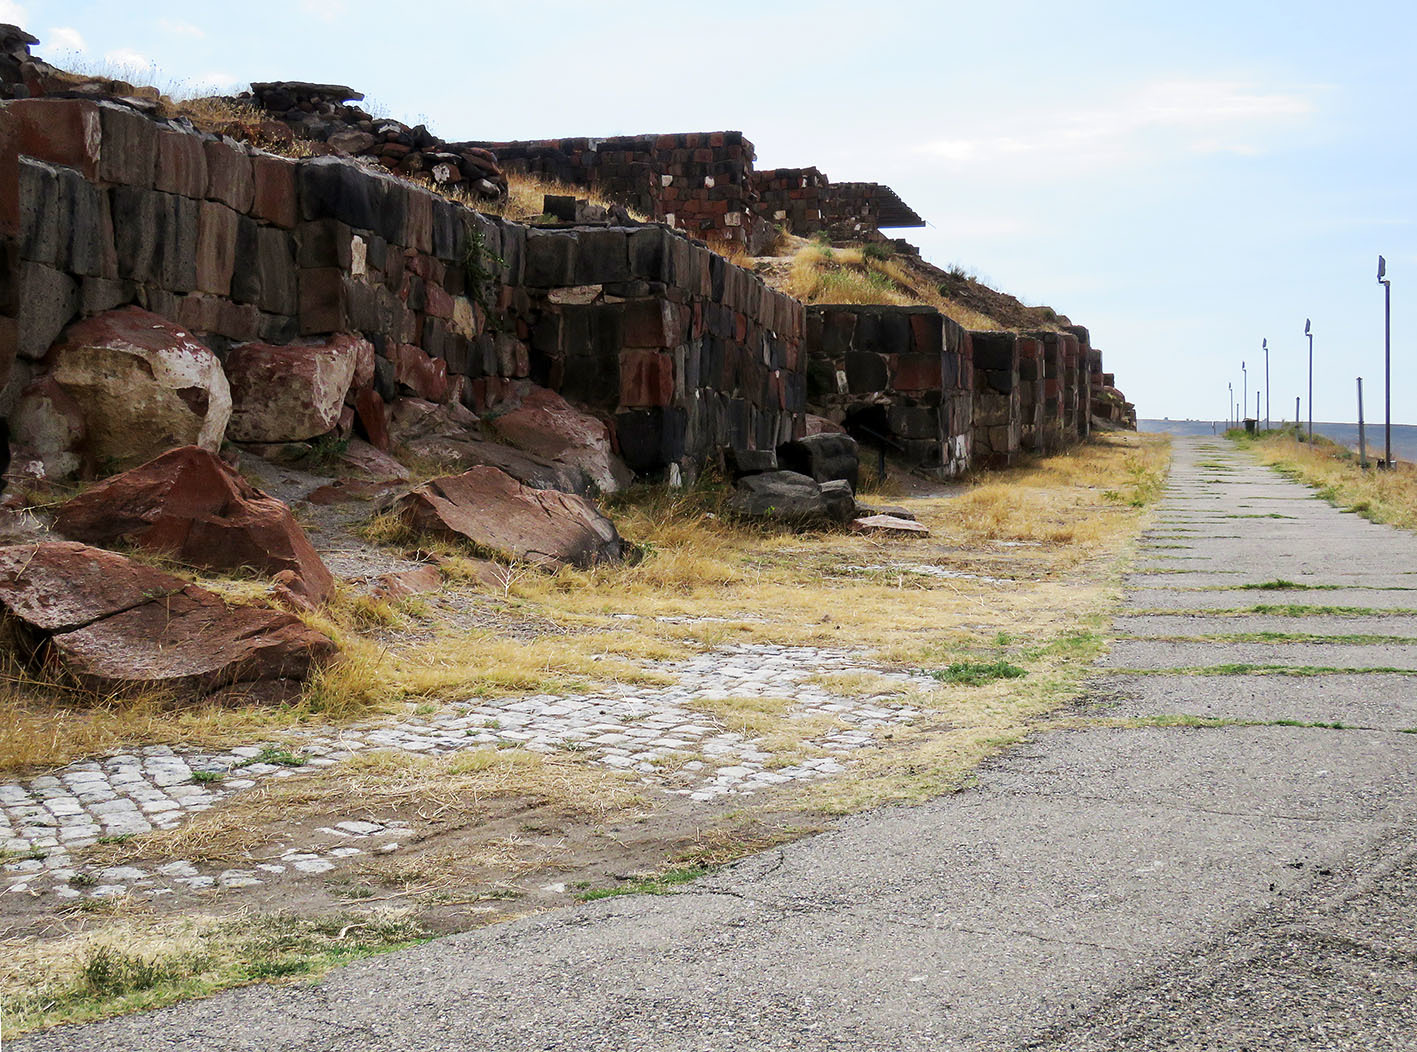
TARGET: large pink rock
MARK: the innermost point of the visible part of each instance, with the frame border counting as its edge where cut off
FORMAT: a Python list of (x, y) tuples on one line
[(142, 385), (113, 625), (293, 392), (192, 505), (497, 514), (542, 422)]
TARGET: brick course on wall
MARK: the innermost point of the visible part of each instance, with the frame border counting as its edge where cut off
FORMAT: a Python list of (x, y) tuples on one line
[(898, 376), (686, 352)]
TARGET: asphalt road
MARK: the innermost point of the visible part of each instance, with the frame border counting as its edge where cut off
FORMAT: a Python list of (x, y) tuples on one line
[(1251, 885)]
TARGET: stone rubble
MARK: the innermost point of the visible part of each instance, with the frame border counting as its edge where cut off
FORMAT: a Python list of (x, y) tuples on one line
[(645, 730)]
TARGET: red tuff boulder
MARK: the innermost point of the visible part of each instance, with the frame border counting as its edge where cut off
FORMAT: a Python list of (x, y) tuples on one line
[(294, 392), (498, 514), (544, 423), (193, 506), (142, 385), (114, 625)]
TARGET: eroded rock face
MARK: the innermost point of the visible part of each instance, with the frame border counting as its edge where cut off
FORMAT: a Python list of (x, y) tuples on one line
[(452, 435), (190, 504), (294, 392), (113, 625), (496, 513), (49, 425), (543, 423), (142, 385)]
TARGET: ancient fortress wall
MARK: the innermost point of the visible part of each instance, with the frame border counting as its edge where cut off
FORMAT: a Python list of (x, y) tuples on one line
[(680, 352), (899, 375)]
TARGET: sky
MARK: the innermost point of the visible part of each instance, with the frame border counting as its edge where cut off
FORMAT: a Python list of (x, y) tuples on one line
[(1187, 180)]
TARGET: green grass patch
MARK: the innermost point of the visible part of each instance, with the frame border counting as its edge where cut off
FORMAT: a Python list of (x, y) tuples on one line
[(976, 673), (664, 883)]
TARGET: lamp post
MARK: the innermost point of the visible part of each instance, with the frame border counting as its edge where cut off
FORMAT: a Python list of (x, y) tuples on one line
[(1310, 335), (1265, 344), (1386, 283), (1230, 404), (1244, 389)]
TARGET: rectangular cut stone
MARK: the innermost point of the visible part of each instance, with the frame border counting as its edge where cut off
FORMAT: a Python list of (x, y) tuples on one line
[(273, 193), (216, 247), (180, 165), (229, 177), (61, 131)]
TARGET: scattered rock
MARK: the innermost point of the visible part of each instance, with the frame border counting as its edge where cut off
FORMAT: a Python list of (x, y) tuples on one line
[(498, 514), (50, 426), (823, 457), (793, 498), (294, 392), (545, 424), (192, 505), (142, 385), (889, 524), (408, 582), (740, 462), (451, 435), (114, 625), (820, 425)]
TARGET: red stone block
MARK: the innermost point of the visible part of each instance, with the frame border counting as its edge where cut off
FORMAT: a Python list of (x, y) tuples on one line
[(647, 324), (646, 379), (181, 165), (61, 131), (427, 377), (229, 178), (273, 194), (437, 302), (916, 372), (373, 418)]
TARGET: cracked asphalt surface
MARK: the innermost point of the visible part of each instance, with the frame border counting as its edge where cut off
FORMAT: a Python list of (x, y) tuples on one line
[(1247, 885)]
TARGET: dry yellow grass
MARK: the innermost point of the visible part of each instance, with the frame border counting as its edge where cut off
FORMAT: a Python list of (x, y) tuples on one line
[(821, 274), (526, 198), (1381, 496)]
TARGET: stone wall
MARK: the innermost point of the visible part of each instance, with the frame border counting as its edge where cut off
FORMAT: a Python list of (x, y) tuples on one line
[(895, 376), (698, 182), (998, 399), (806, 202), (686, 353)]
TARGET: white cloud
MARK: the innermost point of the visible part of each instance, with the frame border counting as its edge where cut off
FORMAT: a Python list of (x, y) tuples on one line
[(181, 29), (324, 10), (1198, 116), (216, 82), (64, 38), (127, 59), (13, 14)]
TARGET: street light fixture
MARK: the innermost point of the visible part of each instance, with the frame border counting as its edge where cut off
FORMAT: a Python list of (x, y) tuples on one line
[(1386, 283), (1265, 344), (1310, 335)]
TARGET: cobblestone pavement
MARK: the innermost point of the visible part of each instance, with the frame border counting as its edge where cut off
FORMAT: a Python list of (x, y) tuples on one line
[(637, 729)]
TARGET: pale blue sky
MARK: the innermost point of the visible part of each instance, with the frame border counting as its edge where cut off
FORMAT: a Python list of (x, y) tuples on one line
[(1185, 179)]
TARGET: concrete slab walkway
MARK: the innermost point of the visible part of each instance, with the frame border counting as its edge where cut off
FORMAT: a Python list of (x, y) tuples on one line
[(1126, 882)]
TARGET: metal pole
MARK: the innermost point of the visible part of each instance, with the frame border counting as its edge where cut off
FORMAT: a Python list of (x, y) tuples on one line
[(1296, 413), (1362, 436), (1244, 388), (1257, 412), (1310, 335), (1266, 387), (1387, 374)]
